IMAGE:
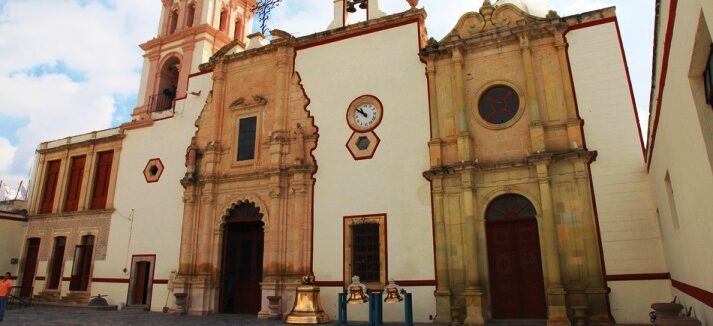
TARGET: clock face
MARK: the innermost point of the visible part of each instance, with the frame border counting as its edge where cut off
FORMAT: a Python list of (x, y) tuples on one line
[(364, 113)]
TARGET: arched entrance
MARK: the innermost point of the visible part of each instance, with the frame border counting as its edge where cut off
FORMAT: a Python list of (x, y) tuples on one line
[(243, 242), (517, 288)]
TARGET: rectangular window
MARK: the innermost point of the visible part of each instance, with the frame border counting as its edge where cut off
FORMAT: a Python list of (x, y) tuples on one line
[(671, 202), (246, 138), (365, 250), (50, 187), (101, 180), (76, 172), (708, 77)]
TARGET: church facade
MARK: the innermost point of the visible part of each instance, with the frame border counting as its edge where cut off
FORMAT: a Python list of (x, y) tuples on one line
[(494, 174)]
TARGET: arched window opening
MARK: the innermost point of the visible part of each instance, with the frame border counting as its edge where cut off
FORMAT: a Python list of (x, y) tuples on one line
[(510, 207), (244, 211), (238, 30), (167, 86), (173, 22), (190, 13), (223, 21)]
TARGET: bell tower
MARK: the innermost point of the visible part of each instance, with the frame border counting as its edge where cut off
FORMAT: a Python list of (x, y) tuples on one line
[(342, 9), (189, 32)]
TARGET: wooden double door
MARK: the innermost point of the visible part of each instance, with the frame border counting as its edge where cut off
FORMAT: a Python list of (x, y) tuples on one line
[(242, 267)]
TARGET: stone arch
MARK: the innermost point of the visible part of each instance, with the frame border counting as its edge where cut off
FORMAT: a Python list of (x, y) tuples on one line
[(489, 197), (249, 198)]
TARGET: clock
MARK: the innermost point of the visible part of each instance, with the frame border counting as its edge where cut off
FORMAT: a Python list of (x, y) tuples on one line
[(364, 113)]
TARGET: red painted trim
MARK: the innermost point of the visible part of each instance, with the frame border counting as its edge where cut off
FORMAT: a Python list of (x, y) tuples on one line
[(416, 282), (207, 71), (359, 33), (638, 277), (160, 281), (179, 99), (66, 279), (662, 79), (631, 89), (10, 218), (697, 293), (40, 278), (330, 283), (158, 177), (591, 23), (109, 280)]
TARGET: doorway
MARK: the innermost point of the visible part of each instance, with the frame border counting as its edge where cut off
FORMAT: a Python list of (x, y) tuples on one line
[(82, 264), (242, 260), (141, 282), (517, 288), (30, 267), (57, 262)]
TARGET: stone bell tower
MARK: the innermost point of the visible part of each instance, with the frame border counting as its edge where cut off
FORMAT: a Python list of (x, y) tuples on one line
[(189, 32)]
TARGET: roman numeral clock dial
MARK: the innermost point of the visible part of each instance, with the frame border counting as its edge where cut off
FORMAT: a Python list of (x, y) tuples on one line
[(363, 116)]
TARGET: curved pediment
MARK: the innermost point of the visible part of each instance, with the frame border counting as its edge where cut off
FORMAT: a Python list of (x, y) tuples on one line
[(491, 17)]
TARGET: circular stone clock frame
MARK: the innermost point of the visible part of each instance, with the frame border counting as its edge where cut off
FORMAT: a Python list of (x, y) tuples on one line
[(370, 108), (483, 91)]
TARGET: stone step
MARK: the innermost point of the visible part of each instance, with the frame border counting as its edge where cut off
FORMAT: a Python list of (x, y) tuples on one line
[(518, 322)]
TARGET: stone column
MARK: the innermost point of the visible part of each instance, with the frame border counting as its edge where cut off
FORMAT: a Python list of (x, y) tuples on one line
[(537, 131), (443, 292), (464, 141), (434, 145), (473, 293), (556, 301), (574, 133)]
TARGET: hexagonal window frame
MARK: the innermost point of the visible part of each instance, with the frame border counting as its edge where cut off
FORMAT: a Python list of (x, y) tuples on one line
[(153, 170), (369, 151)]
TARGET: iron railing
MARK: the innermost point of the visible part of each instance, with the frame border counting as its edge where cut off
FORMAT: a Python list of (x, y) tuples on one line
[(160, 102)]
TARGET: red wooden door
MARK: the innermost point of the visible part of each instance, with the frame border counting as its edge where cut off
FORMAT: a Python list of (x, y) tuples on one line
[(242, 268), (57, 260), (75, 184), (28, 274), (515, 269), (50, 186), (141, 284), (101, 180), (82, 264)]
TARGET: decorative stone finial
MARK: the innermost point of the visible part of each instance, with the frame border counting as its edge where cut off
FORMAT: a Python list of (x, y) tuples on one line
[(552, 15), (487, 9), (413, 3)]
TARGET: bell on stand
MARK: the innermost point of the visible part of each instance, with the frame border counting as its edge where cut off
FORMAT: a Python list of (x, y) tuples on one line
[(363, 5), (350, 7), (393, 293), (357, 292)]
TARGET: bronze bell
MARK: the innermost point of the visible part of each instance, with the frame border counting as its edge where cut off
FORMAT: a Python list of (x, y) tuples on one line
[(357, 295), (350, 7), (393, 295), (363, 4)]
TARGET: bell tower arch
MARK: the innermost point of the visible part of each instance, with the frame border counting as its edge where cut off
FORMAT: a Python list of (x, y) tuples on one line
[(189, 33)]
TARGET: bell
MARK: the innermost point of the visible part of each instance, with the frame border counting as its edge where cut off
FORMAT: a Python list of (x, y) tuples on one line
[(350, 7), (393, 296), (363, 4), (357, 295)]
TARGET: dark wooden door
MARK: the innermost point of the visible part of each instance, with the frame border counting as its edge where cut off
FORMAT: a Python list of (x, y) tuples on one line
[(50, 187), (515, 269), (57, 261), (76, 174), (141, 284), (242, 268), (82, 265), (28, 274), (101, 180)]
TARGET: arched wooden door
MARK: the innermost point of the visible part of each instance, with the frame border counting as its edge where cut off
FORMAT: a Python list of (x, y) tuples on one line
[(517, 288), (243, 243)]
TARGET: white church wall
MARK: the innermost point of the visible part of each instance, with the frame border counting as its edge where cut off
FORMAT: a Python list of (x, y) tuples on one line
[(627, 216), (384, 64), (156, 209)]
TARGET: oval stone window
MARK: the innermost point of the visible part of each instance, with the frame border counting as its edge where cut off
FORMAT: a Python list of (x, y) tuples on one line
[(499, 104)]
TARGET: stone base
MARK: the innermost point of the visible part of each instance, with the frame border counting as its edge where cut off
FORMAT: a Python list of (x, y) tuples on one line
[(443, 308), (474, 308), (557, 316)]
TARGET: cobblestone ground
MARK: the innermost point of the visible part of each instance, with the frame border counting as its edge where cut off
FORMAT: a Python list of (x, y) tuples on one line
[(39, 315)]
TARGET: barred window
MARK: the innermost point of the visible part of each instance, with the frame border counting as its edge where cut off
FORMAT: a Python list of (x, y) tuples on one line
[(246, 138), (365, 252)]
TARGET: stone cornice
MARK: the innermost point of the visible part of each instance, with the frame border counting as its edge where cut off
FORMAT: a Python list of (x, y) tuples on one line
[(95, 213)]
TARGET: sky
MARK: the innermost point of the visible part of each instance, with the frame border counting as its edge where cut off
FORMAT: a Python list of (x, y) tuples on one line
[(73, 66)]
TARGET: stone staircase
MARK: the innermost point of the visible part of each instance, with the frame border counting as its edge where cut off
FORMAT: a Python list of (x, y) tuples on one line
[(48, 296), (77, 298)]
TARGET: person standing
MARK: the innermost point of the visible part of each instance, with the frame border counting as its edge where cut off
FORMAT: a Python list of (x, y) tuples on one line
[(5, 286)]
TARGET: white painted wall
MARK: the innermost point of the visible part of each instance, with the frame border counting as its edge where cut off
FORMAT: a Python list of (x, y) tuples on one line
[(12, 239), (680, 150), (156, 208), (627, 215), (384, 64)]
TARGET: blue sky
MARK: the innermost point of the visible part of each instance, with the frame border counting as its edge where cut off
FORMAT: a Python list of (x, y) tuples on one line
[(73, 66)]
